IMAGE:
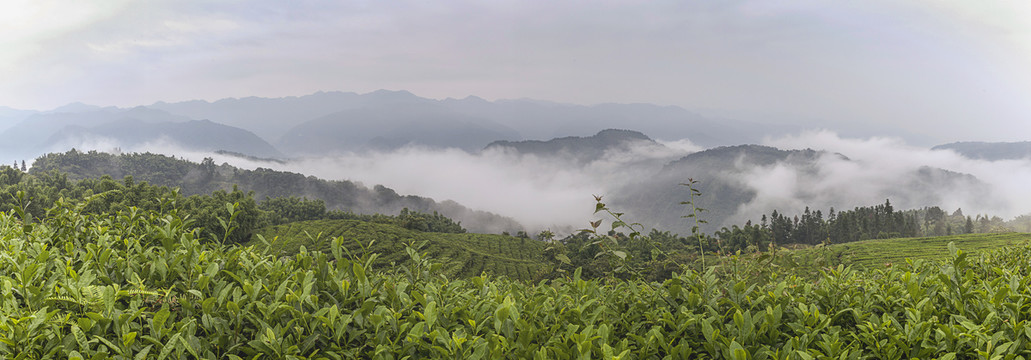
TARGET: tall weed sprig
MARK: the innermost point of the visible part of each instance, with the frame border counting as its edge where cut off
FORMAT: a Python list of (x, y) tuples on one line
[(622, 257), (692, 203), (608, 244)]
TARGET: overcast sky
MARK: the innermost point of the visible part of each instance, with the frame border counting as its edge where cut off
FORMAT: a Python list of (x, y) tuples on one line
[(952, 70)]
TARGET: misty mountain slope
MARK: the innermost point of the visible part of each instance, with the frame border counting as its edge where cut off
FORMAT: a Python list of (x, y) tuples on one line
[(270, 118), (741, 183), (192, 178), (392, 127), (35, 134), (581, 149), (718, 172), (194, 135), (9, 117), (991, 151)]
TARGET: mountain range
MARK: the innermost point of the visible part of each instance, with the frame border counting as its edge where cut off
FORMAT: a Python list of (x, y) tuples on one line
[(339, 122), (383, 120), (735, 180)]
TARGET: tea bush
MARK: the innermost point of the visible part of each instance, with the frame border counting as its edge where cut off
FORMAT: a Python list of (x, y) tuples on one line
[(141, 285)]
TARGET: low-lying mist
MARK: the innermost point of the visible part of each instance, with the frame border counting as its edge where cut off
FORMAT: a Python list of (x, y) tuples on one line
[(541, 192), (881, 168), (555, 192)]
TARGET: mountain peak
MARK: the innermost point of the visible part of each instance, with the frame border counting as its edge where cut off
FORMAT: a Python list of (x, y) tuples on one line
[(76, 107), (622, 134)]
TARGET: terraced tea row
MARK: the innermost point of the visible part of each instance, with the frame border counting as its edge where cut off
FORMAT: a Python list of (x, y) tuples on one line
[(462, 255)]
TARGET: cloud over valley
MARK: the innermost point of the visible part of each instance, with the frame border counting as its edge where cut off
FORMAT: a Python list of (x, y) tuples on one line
[(554, 191)]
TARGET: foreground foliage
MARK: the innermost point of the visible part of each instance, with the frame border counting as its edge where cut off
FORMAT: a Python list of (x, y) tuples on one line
[(141, 285)]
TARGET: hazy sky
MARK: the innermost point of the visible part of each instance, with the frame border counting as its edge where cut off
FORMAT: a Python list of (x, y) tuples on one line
[(949, 69)]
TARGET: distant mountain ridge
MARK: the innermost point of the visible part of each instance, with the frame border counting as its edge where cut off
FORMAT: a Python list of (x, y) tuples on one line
[(271, 118), (991, 151), (196, 135), (582, 149), (327, 122), (282, 120), (388, 128)]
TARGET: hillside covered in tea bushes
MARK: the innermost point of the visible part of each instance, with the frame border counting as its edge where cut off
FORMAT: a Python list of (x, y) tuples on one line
[(141, 284)]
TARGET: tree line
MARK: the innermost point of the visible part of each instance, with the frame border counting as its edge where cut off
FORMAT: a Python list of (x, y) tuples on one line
[(861, 223), (656, 254)]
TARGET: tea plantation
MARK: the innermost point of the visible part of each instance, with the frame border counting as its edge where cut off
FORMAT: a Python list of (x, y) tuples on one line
[(885, 252), (462, 255), (141, 285)]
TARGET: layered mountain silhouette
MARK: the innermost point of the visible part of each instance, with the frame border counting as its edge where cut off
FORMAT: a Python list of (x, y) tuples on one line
[(393, 127), (389, 119), (112, 128), (328, 122), (197, 135)]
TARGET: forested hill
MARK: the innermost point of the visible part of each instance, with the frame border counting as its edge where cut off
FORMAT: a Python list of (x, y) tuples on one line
[(193, 178), (582, 149)]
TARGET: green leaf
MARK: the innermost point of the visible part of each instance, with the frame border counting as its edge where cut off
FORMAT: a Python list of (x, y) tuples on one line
[(169, 346), (80, 338), (359, 273), (161, 317), (564, 259), (110, 344), (431, 314), (737, 352), (128, 339), (189, 348)]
